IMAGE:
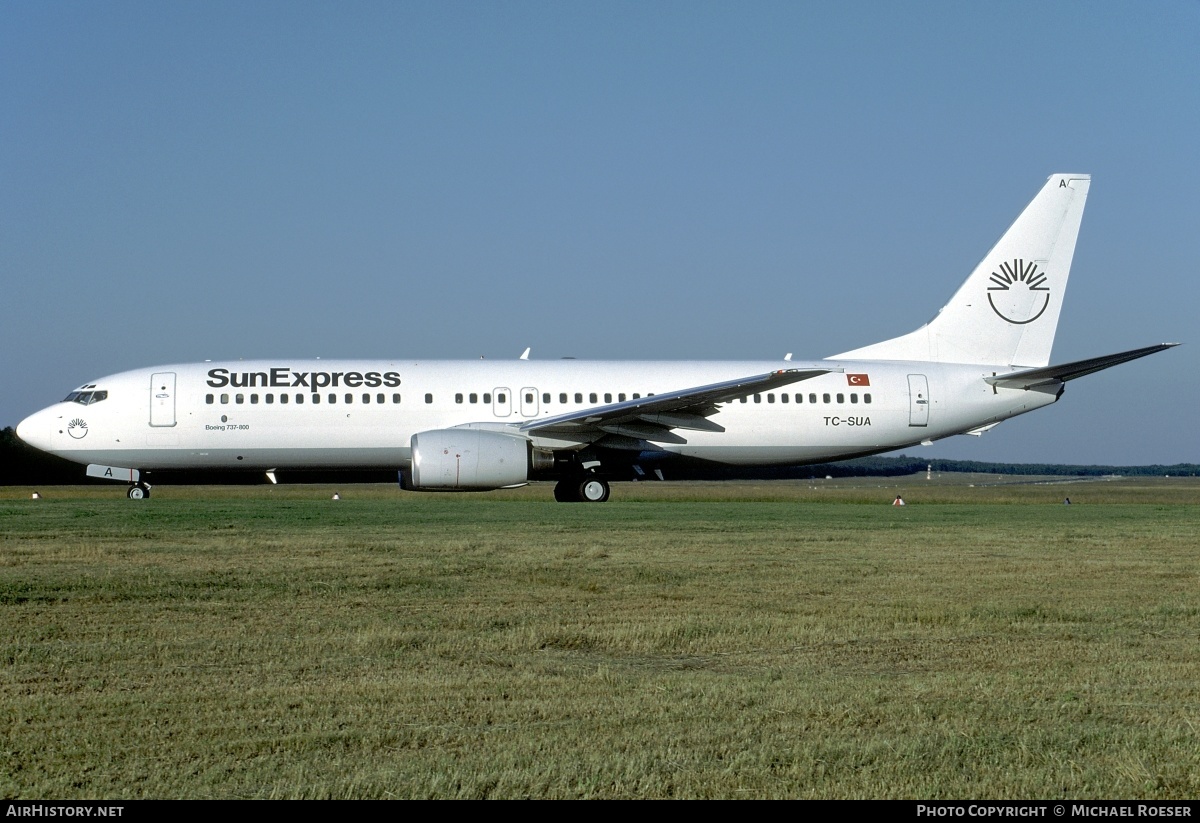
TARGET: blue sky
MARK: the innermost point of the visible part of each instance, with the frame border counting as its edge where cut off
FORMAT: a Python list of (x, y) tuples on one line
[(187, 181)]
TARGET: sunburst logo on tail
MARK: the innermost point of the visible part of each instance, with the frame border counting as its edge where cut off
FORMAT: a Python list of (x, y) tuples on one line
[(1019, 294)]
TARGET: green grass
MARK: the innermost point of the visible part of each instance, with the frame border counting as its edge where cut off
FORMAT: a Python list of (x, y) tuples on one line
[(692, 640)]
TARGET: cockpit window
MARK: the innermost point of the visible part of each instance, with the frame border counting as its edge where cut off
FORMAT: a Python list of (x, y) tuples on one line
[(85, 398)]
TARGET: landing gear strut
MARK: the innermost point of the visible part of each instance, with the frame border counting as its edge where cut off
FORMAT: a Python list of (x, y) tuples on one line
[(139, 491), (586, 490)]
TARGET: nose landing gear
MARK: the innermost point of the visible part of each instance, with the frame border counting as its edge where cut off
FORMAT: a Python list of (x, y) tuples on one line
[(138, 491)]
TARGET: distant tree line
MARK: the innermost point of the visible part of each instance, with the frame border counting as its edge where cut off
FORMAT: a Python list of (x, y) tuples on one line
[(23, 465), (905, 465)]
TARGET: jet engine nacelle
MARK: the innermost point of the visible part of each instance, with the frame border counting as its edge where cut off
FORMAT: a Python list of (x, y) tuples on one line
[(469, 460)]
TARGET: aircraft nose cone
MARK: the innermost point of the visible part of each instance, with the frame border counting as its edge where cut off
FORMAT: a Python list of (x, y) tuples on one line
[(35, 430)]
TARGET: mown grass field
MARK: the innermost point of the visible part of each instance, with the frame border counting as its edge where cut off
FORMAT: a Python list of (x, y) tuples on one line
[(789, 639)]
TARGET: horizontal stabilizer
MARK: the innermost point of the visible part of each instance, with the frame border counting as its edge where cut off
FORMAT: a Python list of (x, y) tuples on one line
[(1048, 375)]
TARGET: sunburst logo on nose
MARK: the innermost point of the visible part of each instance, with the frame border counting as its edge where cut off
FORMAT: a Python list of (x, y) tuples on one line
[(77, 428), (1014, 296)]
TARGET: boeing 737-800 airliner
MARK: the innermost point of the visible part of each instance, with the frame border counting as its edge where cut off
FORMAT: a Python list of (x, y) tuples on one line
[(479, 424)]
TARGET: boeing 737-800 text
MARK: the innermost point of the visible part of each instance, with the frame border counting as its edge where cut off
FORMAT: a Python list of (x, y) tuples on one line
[(474, 425)]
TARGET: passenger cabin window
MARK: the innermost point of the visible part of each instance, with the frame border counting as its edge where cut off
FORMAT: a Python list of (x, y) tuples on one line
[(487, 397), (812, 398), (458, 398), (283, 398), (562, 398), (546, 397), (578, 397), (224, 398), (866, 398), (608, 397), (316, 398), (825, 398), (396, 398), (208, 398), (254, 399), (429, 398), (473, 397), (841, 397), (592, 398)]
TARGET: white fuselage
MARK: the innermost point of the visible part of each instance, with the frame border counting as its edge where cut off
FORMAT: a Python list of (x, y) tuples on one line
[(480, 424), (280, 414)]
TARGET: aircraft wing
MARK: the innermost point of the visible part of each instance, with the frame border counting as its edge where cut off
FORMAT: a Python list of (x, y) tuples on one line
[(653, 417), (1049, 375)]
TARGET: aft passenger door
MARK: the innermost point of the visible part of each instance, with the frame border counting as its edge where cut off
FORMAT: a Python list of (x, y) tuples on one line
[(918, 400), (162, 399)]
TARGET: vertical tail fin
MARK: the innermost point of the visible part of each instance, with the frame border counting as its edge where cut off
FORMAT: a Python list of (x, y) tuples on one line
[(1007, 311)]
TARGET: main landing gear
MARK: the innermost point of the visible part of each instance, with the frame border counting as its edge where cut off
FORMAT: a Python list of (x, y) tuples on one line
[(138, 491), (586, 490)]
